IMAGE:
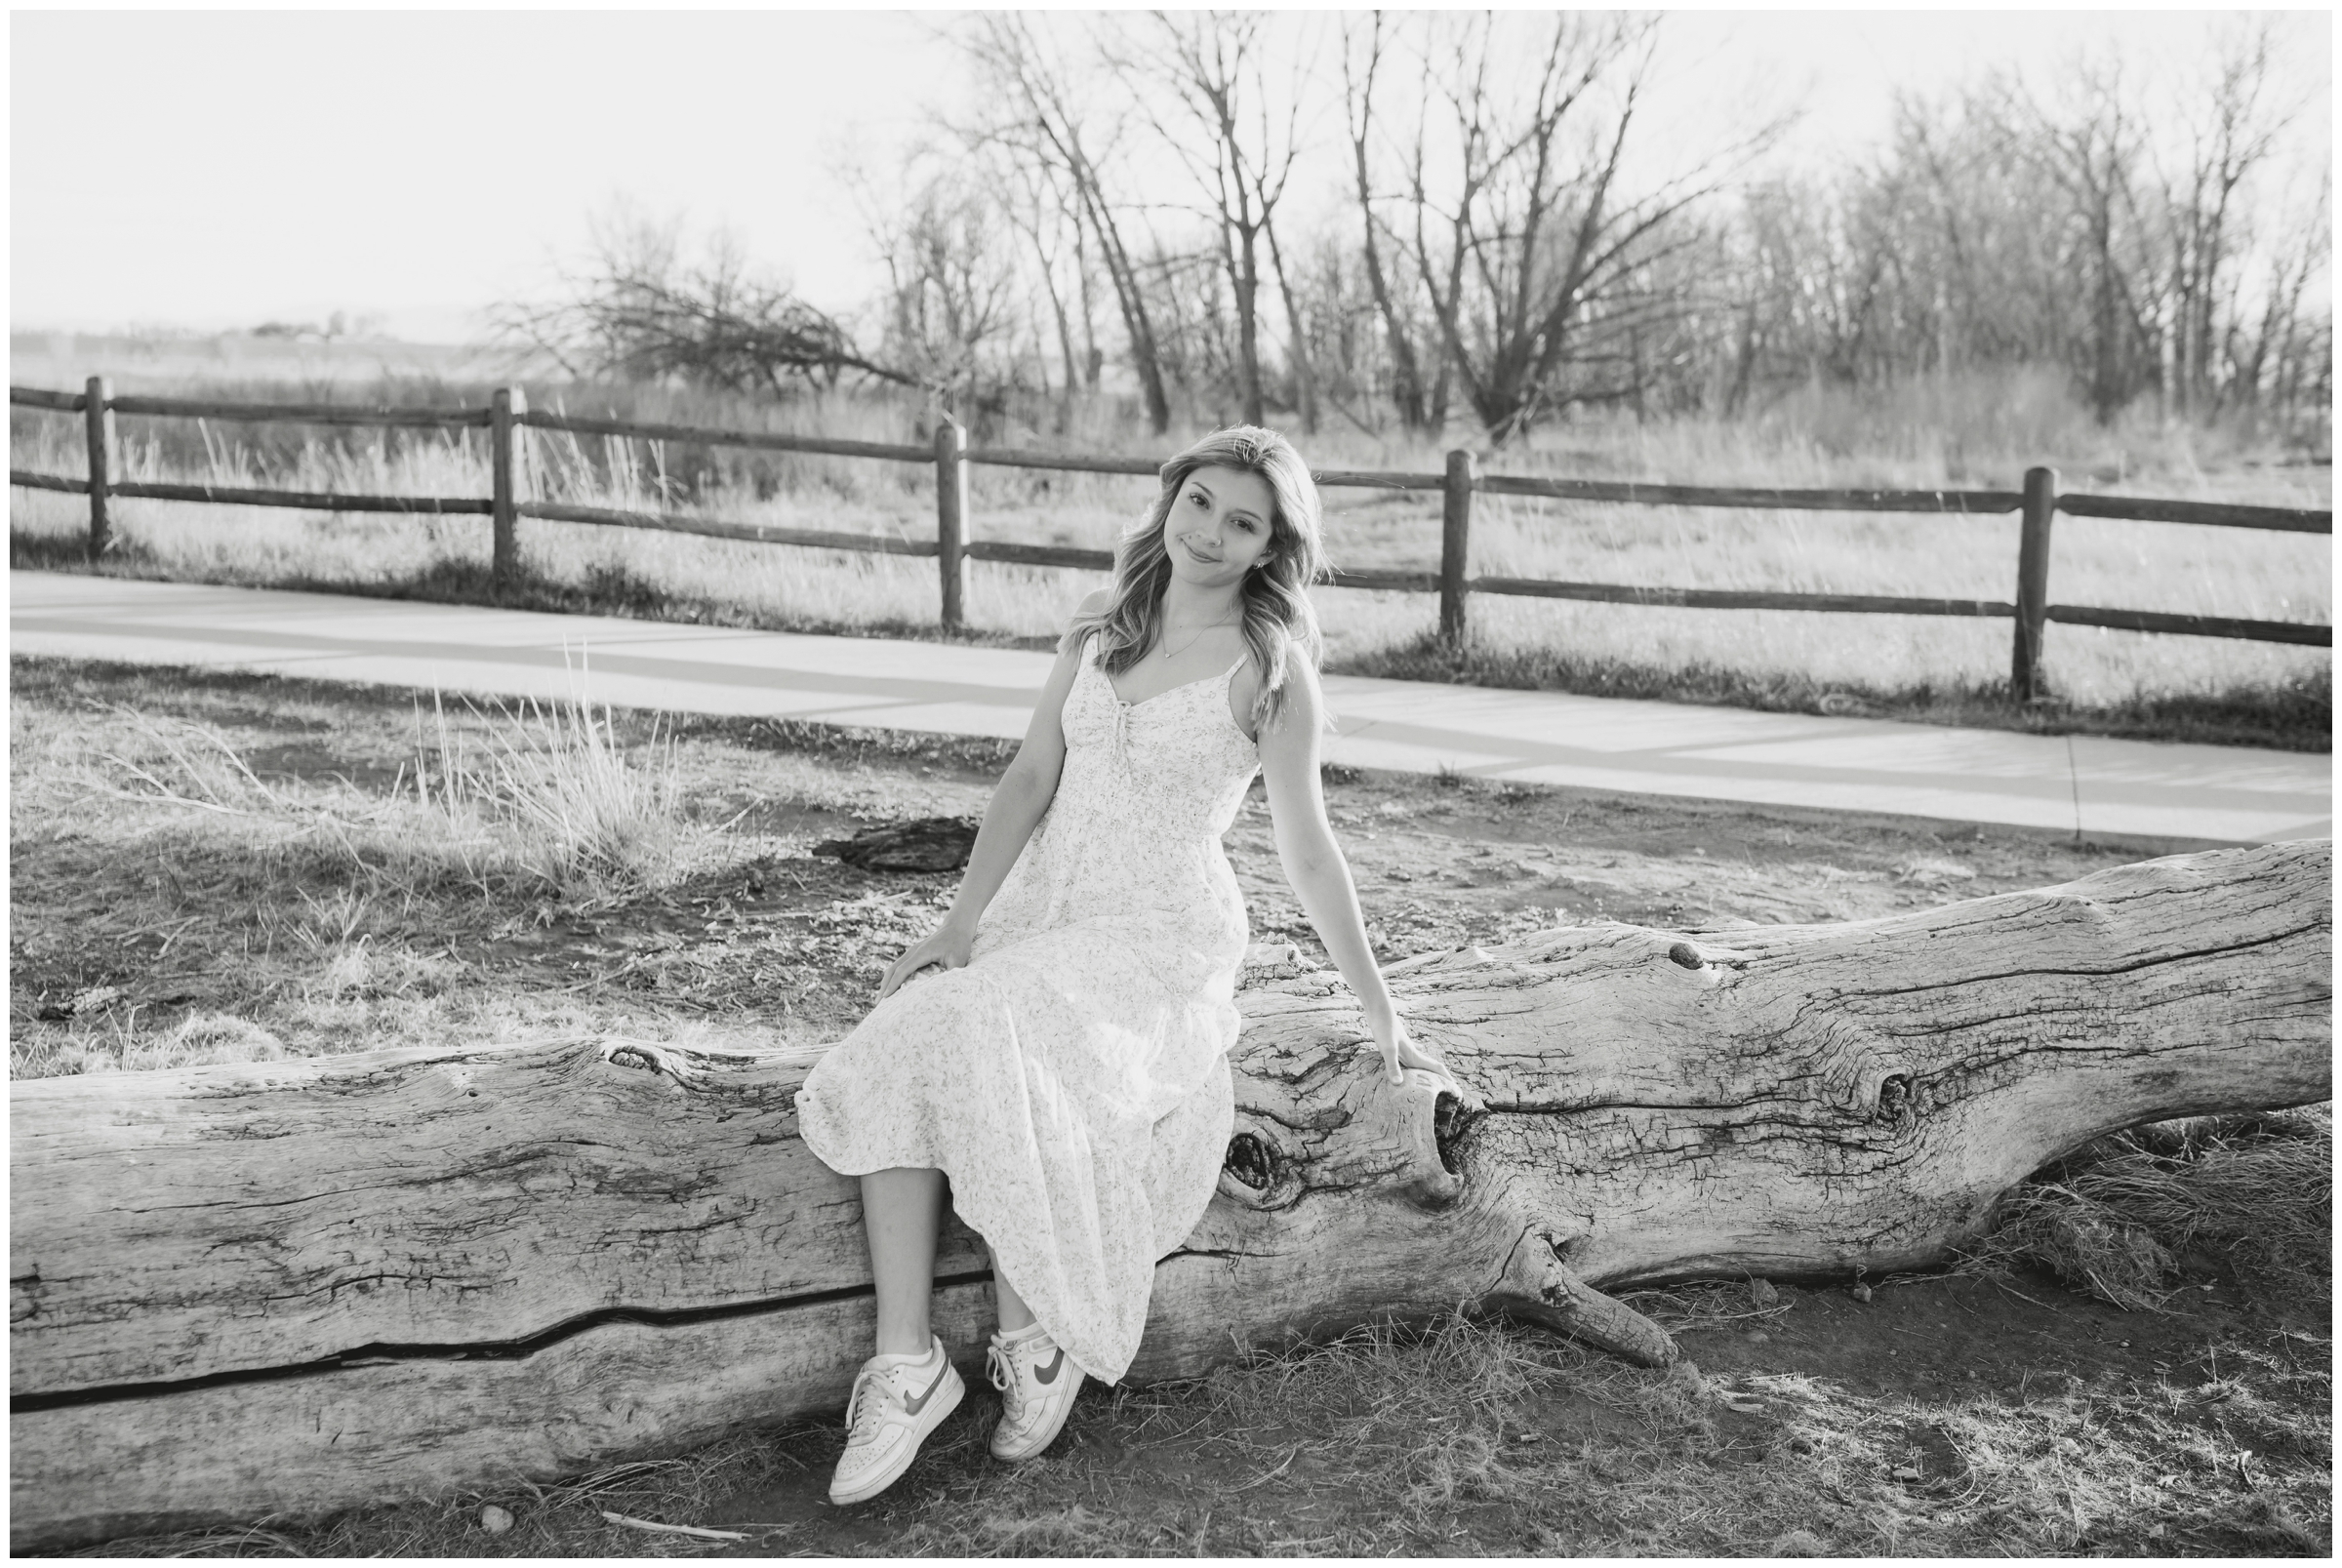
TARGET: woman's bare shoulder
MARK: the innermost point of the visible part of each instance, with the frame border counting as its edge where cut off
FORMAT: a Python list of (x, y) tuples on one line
[(1299, 680), (1300, 674)]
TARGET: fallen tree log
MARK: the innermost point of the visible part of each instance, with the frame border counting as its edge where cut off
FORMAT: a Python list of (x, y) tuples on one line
[(295, 1286)]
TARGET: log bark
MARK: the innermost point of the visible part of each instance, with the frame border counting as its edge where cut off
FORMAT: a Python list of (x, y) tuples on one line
[(301, 1285)]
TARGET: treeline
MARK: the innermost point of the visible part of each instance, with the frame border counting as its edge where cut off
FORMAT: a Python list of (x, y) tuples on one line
[(1413, 220)]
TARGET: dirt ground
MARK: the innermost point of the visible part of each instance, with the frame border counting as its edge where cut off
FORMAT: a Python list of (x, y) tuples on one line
[(1819, 1426), (183, 916), (156, 923)]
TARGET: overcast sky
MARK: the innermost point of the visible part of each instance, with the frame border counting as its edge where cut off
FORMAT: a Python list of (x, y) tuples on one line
[(221, 169)]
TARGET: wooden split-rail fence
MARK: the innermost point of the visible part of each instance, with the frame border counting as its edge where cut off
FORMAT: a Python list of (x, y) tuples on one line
[(508, 414)]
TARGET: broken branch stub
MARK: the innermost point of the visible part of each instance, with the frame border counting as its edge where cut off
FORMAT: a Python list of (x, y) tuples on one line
[(926, 844), (300, 1285)]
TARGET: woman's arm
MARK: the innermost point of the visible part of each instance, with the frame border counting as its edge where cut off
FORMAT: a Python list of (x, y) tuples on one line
[(1018, 802), (1313, 864)]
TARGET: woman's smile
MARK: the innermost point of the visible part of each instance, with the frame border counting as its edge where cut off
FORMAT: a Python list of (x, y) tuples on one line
[(1210, 559)]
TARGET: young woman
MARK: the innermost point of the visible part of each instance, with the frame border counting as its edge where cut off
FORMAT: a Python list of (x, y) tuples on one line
[(1064, 1062)]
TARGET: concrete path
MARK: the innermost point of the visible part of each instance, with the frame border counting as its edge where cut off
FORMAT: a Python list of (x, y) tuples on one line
[(2129, 789)]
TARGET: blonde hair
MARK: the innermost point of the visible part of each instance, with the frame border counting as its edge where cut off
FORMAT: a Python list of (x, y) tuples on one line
[(1277, 612)]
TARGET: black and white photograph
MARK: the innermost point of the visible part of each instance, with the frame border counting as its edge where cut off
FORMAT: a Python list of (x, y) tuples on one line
[(1302, 783)]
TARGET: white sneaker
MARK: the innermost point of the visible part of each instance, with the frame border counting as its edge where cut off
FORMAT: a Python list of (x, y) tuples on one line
[(897, 1400), (1036, 1385)]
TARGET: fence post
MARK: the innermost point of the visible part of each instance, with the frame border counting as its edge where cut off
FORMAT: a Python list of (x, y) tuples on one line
[(98, 429), (506, 405), (951, 512), (2027, 682), (1455, 544)]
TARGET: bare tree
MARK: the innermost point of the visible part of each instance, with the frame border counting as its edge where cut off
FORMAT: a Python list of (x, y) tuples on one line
[(2231, 134), (1240, 149), (1349, 356), (635, 309), (1042, 211), (2113, 230), (952, 284), (1357, 98), (1036, 112), (1500, 233), (2092, 151), (1188, 292), (2288, 361), (1530, 250)]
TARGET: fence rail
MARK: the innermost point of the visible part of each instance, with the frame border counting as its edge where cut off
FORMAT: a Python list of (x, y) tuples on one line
[(767, 441), (205, 408), (1860, 604), (719, 528), (1964, 502), (508, 415), (35, 397)]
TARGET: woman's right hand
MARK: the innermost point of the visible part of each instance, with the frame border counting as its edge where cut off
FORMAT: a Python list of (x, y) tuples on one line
[(947, 947)]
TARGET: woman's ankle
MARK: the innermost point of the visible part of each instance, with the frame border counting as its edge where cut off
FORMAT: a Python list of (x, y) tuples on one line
[(1009, 1310), (916, 1340)]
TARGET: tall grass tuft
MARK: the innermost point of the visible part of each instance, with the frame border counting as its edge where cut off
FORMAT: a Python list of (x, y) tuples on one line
[(2118, 1218), (557, 797), (552, 802)]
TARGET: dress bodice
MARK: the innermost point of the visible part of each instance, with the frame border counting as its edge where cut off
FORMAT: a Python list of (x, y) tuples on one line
[(1131, 838), (1174, 764)]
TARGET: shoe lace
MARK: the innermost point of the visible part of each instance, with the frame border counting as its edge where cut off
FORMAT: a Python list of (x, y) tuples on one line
[(999, 1370), (865, 1408)]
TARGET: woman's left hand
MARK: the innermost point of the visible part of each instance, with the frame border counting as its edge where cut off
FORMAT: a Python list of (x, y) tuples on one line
[(1399, 1050)]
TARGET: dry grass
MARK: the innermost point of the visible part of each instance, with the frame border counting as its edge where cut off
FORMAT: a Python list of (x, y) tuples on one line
[(332, 896), (547, 799), (556, 797), (2128, 1216), (1974, 432)]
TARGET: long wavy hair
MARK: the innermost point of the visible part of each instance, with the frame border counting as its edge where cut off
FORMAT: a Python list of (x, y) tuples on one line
[(1277, 612)]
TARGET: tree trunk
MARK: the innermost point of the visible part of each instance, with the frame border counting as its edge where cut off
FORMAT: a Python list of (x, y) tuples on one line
[(303, 1285), (1305, 372), (1244, 274), (1145, 355), (1406, 377)]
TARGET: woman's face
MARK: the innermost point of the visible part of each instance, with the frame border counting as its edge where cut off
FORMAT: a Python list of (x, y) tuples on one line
[(1218, 527)]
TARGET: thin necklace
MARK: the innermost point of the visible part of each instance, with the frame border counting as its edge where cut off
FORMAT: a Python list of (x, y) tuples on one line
[(1165, 646)]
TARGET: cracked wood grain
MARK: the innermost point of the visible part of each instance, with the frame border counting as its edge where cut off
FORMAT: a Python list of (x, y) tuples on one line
[(302, 1284)]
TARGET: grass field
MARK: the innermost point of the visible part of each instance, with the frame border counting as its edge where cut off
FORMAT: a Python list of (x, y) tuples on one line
[(217, 867), (1952, 433)]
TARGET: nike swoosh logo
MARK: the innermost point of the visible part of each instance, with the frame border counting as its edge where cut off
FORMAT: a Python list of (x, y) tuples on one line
[(915, 1406), (1050, 1375)]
